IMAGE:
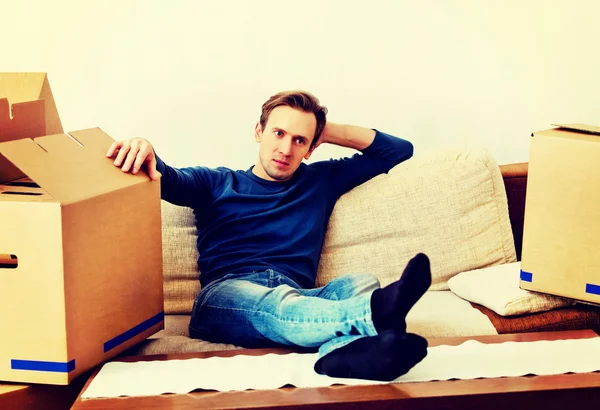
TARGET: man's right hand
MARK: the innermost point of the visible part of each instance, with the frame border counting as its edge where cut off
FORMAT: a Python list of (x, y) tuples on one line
[(132, 154)]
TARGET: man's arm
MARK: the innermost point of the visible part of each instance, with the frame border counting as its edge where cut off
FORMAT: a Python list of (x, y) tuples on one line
[(380, 153), (350, 136), (189, 187), (184, 187)]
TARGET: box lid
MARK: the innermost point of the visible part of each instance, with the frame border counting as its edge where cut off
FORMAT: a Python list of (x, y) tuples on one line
[(69, 167), (589, 129), (578, 132)]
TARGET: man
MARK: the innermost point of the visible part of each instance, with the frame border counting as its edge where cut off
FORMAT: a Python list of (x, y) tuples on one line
[(261, 232)]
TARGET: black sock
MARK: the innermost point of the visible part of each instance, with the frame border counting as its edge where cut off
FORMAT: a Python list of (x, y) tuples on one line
[(390, 305), (384, 357)]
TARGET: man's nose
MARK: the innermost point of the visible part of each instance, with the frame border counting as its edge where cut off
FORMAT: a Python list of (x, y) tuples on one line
[(285, 147)]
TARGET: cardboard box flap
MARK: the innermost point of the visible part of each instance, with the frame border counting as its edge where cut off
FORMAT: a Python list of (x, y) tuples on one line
[(589, 129), (53, 124), (28, 120), (29, 87), (70, 167), (21, 87)]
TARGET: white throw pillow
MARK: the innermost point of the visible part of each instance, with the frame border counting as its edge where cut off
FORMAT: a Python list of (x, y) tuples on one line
[(497, 288)]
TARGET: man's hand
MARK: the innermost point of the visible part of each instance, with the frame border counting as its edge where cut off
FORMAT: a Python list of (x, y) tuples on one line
[(131, 154), (349, 136)]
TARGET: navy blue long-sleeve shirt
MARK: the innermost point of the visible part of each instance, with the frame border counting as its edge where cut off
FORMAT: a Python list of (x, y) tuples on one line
[(246, 223)]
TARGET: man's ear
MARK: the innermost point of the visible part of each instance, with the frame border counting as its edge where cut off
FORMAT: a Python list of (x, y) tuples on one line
[(258, 132), (309, 153)]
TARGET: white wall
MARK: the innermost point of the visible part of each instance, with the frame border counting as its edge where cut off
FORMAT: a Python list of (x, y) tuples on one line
[(191, 75)]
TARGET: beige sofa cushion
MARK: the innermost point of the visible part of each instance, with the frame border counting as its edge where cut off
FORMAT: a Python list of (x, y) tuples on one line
[(450, 204), (180, 255), (443, 314), (436, 314), (175, 339)]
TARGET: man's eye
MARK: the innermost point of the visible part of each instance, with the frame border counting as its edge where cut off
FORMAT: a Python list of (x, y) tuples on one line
[(278, 133), (300, 141)]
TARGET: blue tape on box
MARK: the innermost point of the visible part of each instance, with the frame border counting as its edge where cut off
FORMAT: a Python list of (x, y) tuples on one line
[(134, 331), (40, 366), (526, 276), (593, 289)]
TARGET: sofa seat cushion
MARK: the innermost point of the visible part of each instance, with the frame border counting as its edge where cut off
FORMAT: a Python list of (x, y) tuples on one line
[(436, 314), (175, 338), (443, 314), (175, 325), (170, 344)]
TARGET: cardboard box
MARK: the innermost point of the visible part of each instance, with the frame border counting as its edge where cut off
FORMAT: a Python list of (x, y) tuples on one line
[(82, 239), (80, 253), (562, 214)]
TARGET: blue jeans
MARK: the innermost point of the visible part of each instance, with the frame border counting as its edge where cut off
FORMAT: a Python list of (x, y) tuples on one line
[(266, 308)]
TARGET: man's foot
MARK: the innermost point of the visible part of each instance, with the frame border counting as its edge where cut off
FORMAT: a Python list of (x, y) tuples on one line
[(390, 305), (384, 357)]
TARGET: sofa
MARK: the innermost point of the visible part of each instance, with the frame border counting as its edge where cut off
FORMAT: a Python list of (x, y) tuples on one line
[(454, 204)]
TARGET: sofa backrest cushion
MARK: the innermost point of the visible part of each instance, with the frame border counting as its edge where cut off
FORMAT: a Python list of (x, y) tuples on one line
[(180, 256), (449, 204)]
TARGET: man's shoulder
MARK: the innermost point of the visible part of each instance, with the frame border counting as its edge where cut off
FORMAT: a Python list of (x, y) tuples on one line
[(315, 170)]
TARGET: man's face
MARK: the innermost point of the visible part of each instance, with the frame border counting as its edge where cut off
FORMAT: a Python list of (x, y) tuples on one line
[(284, 141)]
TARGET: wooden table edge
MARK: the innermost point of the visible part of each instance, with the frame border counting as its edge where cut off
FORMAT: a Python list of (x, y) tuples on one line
[(406, 387)]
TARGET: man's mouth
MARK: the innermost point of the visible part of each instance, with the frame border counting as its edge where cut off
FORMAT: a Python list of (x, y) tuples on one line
[(281, 163)]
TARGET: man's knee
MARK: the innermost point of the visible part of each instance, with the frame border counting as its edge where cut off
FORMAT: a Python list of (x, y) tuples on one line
[(363, 282)]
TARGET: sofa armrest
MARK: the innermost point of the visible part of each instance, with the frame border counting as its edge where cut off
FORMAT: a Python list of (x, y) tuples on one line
[(515, 183)]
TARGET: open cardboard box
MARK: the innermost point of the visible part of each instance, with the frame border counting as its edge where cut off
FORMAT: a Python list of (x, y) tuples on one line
[(80, 250), (562, 214)]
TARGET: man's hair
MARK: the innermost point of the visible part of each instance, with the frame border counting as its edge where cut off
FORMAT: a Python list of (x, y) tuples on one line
[(300, 100)]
